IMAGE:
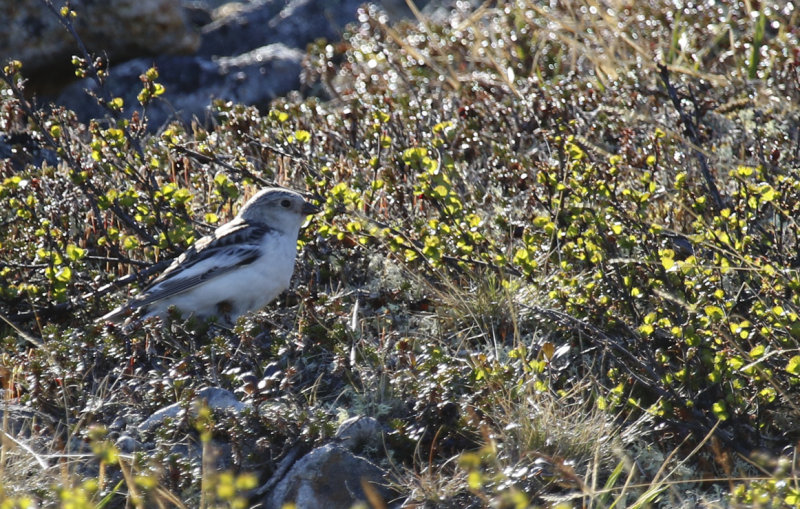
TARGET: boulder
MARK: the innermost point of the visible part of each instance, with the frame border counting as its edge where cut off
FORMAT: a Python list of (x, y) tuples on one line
[(360, 432), (191, 83), (247, 52), (294, 23), (120, 29), (216, 399), (249, 56), (329, 476)]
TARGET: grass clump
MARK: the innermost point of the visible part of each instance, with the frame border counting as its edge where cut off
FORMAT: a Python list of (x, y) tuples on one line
[(557, 261)]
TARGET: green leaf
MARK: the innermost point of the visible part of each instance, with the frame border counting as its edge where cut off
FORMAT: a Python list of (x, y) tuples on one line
[(413, 155), (767, 192), (280, 116), (64, 275), (442, 126), (181, 196), (720, 411), (793, 366), (130, 242), (75, 253), (302, 136), (757, 351), (475, 480), (714, 312)]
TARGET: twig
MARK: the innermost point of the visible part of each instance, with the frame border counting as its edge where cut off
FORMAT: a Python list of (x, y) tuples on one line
[(283, 467), (699, 421), (416, 246), (38, 458), (90, 191), (205, 159), (103, 290), (27, 337), (110, 259), (690, 129), (67, 24), (105, 97), (283, 153)]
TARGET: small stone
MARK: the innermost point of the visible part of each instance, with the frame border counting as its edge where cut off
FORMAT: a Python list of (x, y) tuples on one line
[(359, 432), (126, 443)]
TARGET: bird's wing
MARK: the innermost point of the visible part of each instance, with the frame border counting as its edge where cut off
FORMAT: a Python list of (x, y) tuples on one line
[(232, 246)]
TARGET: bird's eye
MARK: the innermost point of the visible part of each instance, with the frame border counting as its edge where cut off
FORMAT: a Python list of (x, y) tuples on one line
[(286, 204)]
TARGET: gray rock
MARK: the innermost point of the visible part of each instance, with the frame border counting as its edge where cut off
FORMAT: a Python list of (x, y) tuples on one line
[(242, 30), (251, 56), (294, 23), (17, 419), (330, 477), (261, 75), (120, 28), (126, 443), (218, 400), (159, 416), (359, 432), (250, 52), (192, 83), (22, 148)]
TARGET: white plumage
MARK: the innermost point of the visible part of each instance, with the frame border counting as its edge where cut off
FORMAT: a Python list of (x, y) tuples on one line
[(241, 267)]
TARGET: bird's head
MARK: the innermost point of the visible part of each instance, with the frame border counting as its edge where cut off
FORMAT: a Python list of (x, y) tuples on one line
[(281, 209)]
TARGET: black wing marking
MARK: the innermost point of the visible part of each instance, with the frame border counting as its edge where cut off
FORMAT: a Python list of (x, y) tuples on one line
[(237, 244)]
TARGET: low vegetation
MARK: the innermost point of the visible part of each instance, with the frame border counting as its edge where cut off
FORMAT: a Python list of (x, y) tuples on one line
[(558, 261)]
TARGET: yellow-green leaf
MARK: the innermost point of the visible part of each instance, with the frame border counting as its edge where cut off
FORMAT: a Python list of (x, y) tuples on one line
[(280, 116), (720, 411), (475, 480), (302, 136), (714, 312), (793, 366), (75, 253), (64, 275), (768, 193), (440, 191)]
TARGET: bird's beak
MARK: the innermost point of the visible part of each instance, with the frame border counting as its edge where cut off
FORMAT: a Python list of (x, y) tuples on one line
[(309, 208)]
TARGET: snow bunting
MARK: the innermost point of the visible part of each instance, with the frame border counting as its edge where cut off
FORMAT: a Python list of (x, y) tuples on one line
[(239, 268)]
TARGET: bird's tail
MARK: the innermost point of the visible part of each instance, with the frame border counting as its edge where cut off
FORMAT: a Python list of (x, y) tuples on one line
[(117, 315)]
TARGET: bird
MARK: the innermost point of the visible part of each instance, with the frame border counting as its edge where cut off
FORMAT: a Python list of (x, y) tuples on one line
[(241, 267)]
